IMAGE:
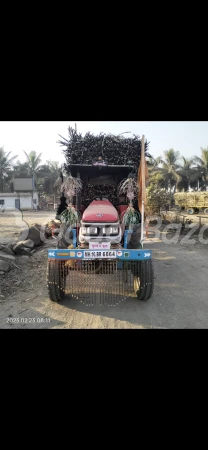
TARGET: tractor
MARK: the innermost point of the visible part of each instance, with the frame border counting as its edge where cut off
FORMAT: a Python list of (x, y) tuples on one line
[(100, 255)]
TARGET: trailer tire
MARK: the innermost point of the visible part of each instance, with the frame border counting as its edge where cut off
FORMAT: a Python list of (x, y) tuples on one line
[(56, 280), (205, 210), (190, 211), (144, 280)]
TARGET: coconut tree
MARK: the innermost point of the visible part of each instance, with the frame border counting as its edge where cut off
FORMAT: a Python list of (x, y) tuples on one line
[(201, 165), (169, 167), (154, 165), (52, 182), (186, 171), (33, 163), (20, 169), (6, 163)]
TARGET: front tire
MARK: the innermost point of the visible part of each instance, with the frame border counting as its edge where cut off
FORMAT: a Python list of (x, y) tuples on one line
[(144, 280), (56, 280)]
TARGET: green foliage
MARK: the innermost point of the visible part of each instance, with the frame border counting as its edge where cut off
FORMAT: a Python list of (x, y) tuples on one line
[(70, 217), (201, 166), (131, 217), (157, 197), (33, 162), (6, 163)]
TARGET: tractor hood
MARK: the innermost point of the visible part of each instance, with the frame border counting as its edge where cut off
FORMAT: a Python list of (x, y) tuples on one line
[(100, 211)]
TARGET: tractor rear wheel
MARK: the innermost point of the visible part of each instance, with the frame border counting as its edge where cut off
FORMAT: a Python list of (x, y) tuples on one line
[(56, 280), (144, 280)]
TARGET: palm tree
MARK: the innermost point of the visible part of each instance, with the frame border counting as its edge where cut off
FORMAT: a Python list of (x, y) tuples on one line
[(33, 162), (169, 168), (186, 171), (49, 177), (202, 166), (155, 172), (5, 166), (154, 164), (55, 180), (20, 169), (169, 175)]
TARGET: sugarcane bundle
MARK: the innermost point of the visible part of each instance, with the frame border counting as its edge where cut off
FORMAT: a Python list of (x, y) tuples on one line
[(191, 199), (129, 188), (114, 150), (180, 198), (71, 186), (100, 191)]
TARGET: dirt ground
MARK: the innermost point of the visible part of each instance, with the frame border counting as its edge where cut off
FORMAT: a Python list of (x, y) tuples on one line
[(180, 298)]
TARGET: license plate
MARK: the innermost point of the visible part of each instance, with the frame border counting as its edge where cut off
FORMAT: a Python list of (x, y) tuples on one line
[(99, 254), (99, 245)]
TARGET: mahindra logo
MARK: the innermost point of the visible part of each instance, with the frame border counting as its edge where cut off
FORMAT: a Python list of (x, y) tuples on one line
[(99, 215)]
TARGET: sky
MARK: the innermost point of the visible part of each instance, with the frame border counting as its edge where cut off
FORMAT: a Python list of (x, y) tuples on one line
[(186, 137)]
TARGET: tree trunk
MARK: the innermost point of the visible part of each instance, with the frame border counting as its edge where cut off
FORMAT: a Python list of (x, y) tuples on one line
[(169, 191), (1, 182)]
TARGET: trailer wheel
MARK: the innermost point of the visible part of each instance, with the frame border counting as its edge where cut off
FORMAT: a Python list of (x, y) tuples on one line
[(196, 210), (56, 280), (206, 210), (144, 280), (190, 210)]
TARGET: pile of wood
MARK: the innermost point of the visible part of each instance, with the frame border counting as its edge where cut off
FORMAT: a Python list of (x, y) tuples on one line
[(114, 150)]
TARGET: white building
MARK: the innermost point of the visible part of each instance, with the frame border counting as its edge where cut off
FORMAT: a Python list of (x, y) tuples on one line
[(24, 197), (19, 200)]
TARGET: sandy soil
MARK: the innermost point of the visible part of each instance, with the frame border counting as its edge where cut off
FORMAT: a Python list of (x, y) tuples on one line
[(180, 298)]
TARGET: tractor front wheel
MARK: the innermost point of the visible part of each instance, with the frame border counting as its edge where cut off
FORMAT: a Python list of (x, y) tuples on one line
[(144, 280), (56, 280)]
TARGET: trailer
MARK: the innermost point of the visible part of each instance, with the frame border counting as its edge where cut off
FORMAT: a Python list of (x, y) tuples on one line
[(100, 258), (192, 202)]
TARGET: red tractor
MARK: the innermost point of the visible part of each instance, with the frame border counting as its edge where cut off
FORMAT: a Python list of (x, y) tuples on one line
[(100, 255)]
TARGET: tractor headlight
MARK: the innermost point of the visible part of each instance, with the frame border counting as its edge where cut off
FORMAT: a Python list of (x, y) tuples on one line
[(92, 230), (83, 230), (113, 230), (88, 230)]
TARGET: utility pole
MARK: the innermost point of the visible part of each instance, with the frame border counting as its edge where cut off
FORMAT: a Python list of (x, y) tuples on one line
[(143, 196)]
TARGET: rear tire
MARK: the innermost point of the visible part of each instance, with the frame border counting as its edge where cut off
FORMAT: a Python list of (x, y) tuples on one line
[(56, 280), (206, 210), (190, 211), (144, 281)]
